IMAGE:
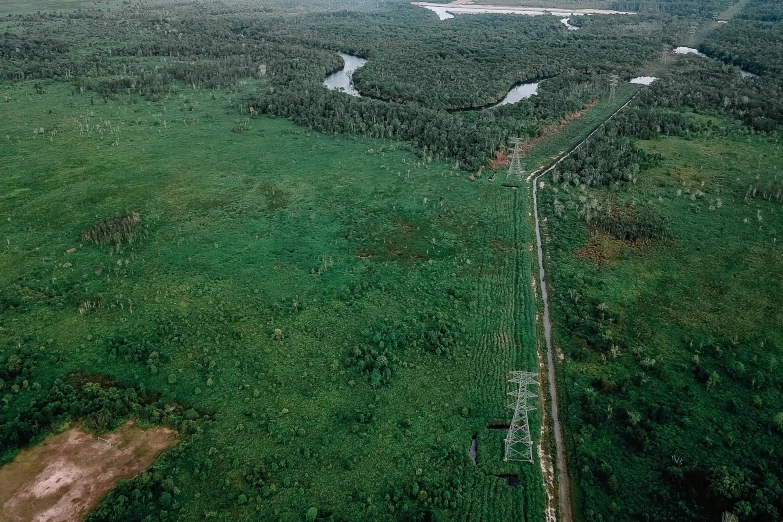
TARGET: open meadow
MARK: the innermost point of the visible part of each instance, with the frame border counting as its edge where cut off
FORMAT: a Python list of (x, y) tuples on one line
[(333, 316)]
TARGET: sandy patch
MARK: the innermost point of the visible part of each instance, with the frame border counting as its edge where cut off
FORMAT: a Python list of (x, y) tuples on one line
[(64, 477), (462, 6)]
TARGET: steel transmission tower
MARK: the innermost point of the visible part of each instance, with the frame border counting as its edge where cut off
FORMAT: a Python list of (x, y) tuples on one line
[(519, 445), (614, 80)]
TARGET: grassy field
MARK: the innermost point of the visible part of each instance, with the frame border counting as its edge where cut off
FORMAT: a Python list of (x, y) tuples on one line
[(271, 263), (694, 328)]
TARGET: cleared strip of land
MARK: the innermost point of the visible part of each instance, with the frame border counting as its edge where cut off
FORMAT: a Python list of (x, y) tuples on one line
[(68, 474)]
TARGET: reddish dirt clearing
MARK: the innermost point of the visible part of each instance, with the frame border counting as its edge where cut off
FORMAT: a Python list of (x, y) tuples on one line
[(64, 477)]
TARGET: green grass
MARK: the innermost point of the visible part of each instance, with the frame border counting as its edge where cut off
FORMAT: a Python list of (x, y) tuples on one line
[(244, 233), (702, 303)]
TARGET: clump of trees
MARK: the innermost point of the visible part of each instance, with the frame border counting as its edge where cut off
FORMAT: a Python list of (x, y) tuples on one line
[(118, 229), (100, 405), (765, 189), (604, 159), (630, 223), (380, 355), (712, 87)]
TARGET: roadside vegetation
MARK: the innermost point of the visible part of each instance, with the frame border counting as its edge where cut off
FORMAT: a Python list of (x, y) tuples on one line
[(665, 264)]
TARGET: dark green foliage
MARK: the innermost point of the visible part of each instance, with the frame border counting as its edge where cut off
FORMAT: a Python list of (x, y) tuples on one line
[(646, 123), (605, 159), (100, 405), (472, 137), (585, 319), (421, 500), (440, 333), (335, 243), (762, 10), (116, 230), (765, 189), (423, 68), (629, 223), (709, 86), (151, 496), (751, 45), (668, 354), (468, 62), (378, 355)]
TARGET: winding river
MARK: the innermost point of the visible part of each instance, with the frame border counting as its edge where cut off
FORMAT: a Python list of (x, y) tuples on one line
[(691, 50), (518, 93), (566, 22), (341, 80)]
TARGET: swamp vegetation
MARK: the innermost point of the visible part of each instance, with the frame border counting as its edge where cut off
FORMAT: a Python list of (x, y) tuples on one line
[(324, 294)]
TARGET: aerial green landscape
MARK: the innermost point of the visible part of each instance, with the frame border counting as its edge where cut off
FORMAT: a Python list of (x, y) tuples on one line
[(374, 260)]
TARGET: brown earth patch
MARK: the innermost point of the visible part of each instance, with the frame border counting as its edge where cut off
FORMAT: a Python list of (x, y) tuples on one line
[(687, 176), (556, 127), (602, 248), (500, 246), (67, 475), (502, 158)]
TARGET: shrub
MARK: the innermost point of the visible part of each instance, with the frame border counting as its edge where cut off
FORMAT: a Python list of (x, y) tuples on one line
[(114, 230), (630, 224)]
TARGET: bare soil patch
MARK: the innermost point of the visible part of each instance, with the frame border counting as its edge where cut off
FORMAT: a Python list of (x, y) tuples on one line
[(502, 158), (468, 5), (67, 475), (603, 248)]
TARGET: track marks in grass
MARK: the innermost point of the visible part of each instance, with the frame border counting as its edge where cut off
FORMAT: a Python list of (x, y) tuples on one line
[(495, 352)]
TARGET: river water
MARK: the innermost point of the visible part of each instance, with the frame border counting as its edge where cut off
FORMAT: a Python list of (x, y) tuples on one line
[(341, 80), (568, 25), (643, 80), (518, 93), (691, 50)]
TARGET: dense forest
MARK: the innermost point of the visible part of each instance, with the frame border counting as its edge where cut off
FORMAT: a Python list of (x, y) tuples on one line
[(411, 90)]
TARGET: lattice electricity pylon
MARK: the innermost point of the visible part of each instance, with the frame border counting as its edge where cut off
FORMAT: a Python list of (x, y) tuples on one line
[(515, 167), (614, 80), (519, 445)]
